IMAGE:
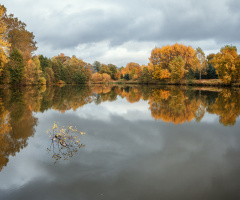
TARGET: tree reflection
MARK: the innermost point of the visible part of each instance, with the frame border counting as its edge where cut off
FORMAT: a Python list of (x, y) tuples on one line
[(169, 104), (16, 123), (104, 93), (177, 105), (227, 106), (172, 106)]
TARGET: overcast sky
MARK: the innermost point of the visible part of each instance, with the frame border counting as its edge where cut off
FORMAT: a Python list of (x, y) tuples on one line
[(125, 31)]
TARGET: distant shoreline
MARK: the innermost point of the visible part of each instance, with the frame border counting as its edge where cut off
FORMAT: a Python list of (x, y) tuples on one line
[(203, 83), (191, 83)]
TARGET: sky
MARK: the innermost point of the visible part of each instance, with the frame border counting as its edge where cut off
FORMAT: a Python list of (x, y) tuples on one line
[(123, 31)]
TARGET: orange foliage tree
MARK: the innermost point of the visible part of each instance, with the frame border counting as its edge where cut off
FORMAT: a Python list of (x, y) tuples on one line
[(96, 77), (4, 44), (227, 64), (161, 58), (133, 69)]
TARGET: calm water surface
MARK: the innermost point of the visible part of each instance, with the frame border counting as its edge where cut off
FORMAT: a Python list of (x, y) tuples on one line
[(139, 143)]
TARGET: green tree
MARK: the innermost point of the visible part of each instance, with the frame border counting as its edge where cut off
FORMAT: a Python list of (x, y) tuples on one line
[(16, 67), (113, 70), (80, 78), (127, 77), (57, 69), (44, 62), (97, 66), (105, 69), (211, 71), (145, 77)]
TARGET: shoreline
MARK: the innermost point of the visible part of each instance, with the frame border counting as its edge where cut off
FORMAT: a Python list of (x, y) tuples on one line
[(190, 83)]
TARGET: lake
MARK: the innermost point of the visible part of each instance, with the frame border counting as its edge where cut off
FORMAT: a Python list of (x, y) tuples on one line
[(140, 142)]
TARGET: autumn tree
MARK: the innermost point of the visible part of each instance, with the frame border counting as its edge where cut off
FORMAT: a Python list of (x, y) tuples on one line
[(29, 73), (4, 44), (96, 77), (19, 37), (64, 60), (227, 64), (105, 69), (177, 69), (106, 77), (133, 69), (117, 75), (161, 58)]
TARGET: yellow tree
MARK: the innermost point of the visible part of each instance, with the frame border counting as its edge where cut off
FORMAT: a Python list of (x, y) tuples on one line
[(32, 72), (4, 45), (177, 69), (227, 64), (161, 58), (18, 36), (96, 77)]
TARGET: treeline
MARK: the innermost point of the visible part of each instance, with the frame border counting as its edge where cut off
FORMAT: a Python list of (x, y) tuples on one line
[(179, 62), (171, 63), (174, 64)]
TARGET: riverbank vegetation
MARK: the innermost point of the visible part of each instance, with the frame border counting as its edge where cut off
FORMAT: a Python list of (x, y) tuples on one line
[(171, 64)]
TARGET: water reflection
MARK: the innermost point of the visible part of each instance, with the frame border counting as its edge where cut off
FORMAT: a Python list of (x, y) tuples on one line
[(131, 152), (168, 104), (227, 107), (16, 121)]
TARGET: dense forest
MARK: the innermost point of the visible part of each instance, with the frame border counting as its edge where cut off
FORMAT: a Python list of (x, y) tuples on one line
[(170, 64)]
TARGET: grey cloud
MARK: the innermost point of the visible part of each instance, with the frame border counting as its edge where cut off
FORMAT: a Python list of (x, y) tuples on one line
[(64, 28), (234, 6), (157, 21)]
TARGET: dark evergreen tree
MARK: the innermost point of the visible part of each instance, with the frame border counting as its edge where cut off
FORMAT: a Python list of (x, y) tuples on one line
[(127, 77), (113, 70), (16, 67), (44, 62)]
